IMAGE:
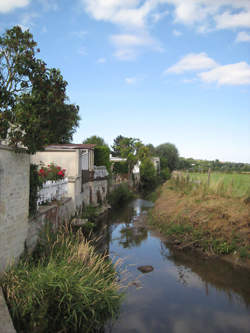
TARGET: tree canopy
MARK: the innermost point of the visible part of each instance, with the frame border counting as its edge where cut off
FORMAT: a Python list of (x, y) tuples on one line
[(97, 140), (34, 108), (169, 155)]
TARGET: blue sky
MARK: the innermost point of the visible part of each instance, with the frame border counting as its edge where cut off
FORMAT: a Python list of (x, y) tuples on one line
[(160, 70)]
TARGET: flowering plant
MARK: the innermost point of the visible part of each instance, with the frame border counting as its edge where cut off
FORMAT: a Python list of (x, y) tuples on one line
[(51, 172)]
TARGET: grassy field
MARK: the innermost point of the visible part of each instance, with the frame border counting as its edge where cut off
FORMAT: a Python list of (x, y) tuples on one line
[(235, 184)]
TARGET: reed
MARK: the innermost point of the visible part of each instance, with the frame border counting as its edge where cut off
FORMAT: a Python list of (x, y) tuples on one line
[(67, 287)]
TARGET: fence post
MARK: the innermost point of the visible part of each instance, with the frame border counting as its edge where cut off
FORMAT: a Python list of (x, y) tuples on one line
[(208, 177)]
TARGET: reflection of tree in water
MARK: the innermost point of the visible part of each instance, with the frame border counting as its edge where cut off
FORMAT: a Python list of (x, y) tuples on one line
[(223, 276), (132, 236)]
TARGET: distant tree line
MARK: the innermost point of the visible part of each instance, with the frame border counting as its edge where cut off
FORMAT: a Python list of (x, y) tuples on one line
[(194, 165)]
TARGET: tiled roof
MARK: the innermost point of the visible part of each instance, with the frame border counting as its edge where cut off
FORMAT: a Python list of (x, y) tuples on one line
[(71, 146)]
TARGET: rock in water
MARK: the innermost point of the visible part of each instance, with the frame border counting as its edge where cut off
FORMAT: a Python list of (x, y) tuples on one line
[(145, 269)]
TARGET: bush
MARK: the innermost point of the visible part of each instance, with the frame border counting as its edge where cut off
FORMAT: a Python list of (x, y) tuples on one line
[(102, 157), (165, 174), (69, 288), (120, 195), (120, 168), (149, 179)]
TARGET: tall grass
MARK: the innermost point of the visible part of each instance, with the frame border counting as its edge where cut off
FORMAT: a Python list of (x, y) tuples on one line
[(227, 185), (66, 287)]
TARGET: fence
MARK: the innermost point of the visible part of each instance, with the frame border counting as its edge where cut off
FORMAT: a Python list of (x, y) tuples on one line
[(53, 190)]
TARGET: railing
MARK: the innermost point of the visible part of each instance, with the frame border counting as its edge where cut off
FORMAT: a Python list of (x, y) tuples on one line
[(53, 190), (100, 172)]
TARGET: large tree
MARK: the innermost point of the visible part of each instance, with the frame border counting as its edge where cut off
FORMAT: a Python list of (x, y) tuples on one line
[(34, 108), (169, 155)]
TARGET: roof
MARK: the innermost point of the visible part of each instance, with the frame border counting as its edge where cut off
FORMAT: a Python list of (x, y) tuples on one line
[(71, 146)]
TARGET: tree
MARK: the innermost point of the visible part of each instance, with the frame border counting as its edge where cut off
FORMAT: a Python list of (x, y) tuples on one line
[(33, 101), (148, 174), (97, 140), (169, 155), (127, 148)]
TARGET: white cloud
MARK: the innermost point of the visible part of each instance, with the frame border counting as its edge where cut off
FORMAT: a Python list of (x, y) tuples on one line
[(233, 74), (177, 33), (136, 13), (192, 62), (27, 20), (243, 36), (228, 20), (137, 17), (49, 5), (82, 51), (129, 45), (130, 80), (8, 5), (101, 60)]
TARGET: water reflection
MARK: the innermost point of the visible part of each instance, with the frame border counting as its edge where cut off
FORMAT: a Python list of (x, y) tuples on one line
[(184, 293)]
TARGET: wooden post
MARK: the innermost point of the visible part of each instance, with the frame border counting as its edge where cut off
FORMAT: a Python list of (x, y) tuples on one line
[(208, 178)]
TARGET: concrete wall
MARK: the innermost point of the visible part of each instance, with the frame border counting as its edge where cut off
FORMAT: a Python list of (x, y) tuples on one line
[(14, 204), (66, 159)]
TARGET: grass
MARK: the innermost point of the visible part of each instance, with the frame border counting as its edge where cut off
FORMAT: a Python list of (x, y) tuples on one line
[(65, 287), (234, 184)]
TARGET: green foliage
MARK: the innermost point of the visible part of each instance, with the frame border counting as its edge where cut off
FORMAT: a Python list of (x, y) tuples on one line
[(90, 212), (120, 168), (51, 172), (165, 174), (127, 148), (120, 195), (33, 104), (102, 156), (35, 184), (148, 175), (68, 288), (169, 155), (96, 140)]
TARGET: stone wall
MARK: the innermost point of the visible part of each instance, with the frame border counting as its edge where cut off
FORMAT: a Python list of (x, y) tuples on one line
[(14, 204), (54, 214)]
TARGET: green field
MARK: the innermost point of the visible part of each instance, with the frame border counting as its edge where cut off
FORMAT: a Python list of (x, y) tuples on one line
[(236, 184)]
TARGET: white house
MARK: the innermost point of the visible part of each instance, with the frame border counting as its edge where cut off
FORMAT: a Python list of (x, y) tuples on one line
[(87, 183)]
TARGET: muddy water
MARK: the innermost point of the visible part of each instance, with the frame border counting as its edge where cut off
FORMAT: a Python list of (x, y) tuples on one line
[(183, 293)]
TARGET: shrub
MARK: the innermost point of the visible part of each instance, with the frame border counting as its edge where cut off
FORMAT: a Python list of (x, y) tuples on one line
[(120, 195), (51, 172), (149, 179), (102, 157), (165, 174), (35, 184), (120, 168), (69, 288)]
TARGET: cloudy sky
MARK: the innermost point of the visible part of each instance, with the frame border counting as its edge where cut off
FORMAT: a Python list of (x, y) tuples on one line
[(161, 70)]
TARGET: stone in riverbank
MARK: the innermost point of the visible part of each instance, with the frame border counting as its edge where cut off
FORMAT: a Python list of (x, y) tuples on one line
[(145, 269)]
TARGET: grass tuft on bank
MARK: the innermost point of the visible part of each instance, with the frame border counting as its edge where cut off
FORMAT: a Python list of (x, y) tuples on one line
[(65, 287)]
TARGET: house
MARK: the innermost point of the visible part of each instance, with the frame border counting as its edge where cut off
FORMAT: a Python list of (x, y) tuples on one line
[(156, 162), (87, 184)]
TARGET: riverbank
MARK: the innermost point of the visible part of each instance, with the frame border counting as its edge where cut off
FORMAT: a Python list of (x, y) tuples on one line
[(207, 222)]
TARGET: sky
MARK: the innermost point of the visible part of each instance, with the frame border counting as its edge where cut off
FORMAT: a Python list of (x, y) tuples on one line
[(160, 70)]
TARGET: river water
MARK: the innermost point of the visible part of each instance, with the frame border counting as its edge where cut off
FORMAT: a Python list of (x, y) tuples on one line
[(184, 293)]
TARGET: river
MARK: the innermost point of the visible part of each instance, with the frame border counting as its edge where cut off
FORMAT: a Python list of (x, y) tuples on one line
[(184, 293)]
